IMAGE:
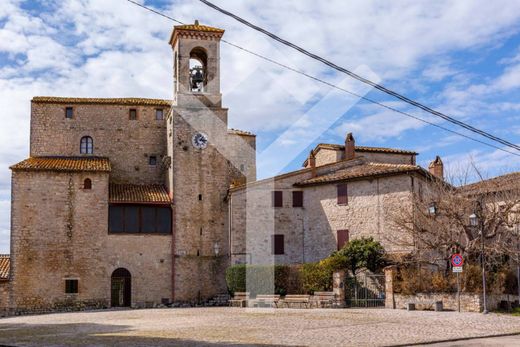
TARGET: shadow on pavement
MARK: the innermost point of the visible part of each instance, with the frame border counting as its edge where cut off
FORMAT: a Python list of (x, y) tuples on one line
[(91, 334)]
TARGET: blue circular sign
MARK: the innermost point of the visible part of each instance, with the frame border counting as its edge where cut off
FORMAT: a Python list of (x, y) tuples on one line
[(457, 260)]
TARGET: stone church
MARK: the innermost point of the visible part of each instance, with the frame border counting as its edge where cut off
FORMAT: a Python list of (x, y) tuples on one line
[(140, 202), (123, 202)]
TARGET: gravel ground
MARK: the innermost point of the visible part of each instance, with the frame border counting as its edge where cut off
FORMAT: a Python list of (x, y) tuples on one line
[(246, 327)]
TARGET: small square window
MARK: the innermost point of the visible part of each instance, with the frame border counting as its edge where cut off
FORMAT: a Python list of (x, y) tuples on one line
[(152, 160), (71, 286), (133, 114), (69, 112), (159, 114)]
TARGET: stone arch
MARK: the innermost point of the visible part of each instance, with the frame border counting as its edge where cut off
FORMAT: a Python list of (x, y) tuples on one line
[(121, 288)]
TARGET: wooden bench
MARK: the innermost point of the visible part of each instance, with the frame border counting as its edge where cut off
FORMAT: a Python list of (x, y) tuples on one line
[(324, 299), (266, 300), (300, 300), (240, 299)]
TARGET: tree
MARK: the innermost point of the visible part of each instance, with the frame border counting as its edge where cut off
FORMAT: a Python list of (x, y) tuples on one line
[(363, 253), (437, 223)]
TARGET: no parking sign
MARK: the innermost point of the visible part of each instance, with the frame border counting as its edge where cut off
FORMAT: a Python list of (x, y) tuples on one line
[(457, 261)]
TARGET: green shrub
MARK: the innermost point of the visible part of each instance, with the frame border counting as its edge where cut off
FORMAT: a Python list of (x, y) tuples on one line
[(259, 279), (317, 276)]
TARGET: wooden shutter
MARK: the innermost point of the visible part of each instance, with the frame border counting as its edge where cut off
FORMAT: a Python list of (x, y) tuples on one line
[(342, 238), (278, 244), (297, 197), (342, 194), (278, 199)]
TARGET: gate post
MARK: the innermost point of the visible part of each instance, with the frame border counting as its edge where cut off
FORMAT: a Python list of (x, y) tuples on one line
[(338, 287), (390, 272)]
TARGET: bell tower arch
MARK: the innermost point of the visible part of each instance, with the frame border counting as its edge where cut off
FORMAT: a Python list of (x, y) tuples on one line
[(196, 51)]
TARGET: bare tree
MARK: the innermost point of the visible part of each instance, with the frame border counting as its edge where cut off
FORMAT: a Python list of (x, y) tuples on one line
[(437, 224)]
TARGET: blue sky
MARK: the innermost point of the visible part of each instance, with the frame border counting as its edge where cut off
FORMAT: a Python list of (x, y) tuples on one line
[(462, 58)]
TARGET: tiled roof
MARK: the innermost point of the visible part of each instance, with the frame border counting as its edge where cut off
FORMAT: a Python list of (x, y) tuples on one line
[(365, 149), (5, 263), (502, 183), (360, 171), (198, 27), (146, 194), (107, 101), (69, 164), (240, 132)]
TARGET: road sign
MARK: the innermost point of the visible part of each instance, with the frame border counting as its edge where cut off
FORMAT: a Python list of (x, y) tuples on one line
[(457, 260), (457, 269)]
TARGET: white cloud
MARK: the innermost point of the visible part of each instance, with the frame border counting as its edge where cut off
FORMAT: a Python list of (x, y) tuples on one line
[(113, 48)]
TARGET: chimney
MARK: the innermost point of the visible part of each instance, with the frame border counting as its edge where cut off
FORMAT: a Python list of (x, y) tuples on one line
[(436, 168), (312, 163), (350, 147)]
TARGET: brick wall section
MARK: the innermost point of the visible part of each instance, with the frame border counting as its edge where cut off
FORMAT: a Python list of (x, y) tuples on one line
[(60, 231), (128, 143), (311, 232)]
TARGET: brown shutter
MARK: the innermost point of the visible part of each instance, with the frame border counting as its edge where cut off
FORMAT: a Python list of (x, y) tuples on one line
[(278, 244), (278, 199), (342, 194), (297, 197), (342, 238)]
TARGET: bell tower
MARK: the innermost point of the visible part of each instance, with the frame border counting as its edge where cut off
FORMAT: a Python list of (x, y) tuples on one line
[(196, 65), (200, 148)]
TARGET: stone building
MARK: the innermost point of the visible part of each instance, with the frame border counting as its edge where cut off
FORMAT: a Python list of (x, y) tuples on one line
[(343, 192), (122, 202)]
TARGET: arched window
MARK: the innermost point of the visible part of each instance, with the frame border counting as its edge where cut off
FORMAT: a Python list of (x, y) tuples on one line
[(198, 70), (87, 184), (86, 145)]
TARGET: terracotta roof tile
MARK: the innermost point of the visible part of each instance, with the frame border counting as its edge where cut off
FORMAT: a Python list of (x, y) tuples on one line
[(198, 27), (365, 149), (5, 263), (146, 194), (109, 101), (502, 183), (69, 164), (359, 171), (240, 132)]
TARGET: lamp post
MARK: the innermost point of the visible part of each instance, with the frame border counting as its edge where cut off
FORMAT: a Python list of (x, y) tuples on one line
[(517, 228), (216, 249), (475, 222)]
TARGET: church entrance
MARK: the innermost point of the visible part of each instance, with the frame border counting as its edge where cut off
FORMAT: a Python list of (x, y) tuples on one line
[(121, 288)]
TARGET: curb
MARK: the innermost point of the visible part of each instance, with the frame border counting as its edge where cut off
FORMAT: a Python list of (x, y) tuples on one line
[(454, 340)]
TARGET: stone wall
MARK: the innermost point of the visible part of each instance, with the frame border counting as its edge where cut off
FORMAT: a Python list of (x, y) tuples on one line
[(4, 297), (328, 155), (60, 231), (468, 302), (310, 231), (128, 143)]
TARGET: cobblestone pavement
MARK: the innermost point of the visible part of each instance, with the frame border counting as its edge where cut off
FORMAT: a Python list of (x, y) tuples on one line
[(246, 327), (504, 341)]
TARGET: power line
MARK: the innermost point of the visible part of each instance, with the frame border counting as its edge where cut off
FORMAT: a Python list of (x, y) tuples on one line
[(335, 86), (362, 79)]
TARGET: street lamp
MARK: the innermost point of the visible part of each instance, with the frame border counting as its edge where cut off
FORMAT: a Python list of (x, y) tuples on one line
[(517, 229), (432, 209), (474, 222), (216, 249)]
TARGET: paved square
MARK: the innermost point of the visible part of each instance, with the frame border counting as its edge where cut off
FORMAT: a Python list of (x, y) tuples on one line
[(245, 327)]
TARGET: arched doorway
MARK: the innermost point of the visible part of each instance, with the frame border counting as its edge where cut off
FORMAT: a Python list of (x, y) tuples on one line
[(121, 288)]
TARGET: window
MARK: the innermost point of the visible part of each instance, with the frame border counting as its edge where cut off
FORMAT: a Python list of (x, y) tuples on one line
[(152, 160), (87, 184), (159, 114), (86, 145), (342, 194), (133, 114), (139, 219), (69, 113), (278, 244), (342, 238), (71, 286), (278, 199), (297, 198)]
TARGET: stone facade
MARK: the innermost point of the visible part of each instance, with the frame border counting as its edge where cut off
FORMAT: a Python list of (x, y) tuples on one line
[(310, 232), (61, 230)]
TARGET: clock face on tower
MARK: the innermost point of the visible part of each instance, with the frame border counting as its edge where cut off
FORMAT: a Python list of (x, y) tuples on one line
[(200, 140)]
